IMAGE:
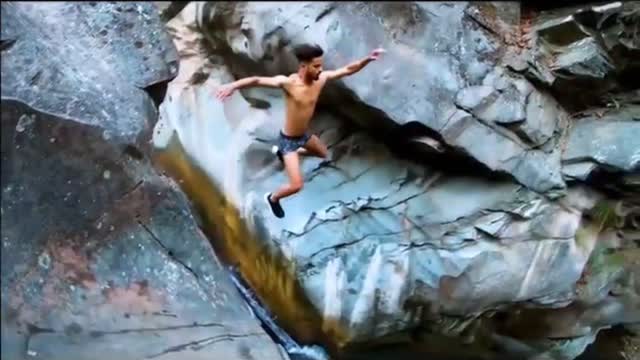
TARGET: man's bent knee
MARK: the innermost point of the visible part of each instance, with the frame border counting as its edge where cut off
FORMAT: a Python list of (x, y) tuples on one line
[(296, 186)]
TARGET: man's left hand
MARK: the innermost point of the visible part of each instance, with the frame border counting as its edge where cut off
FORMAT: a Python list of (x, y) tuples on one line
[(375, 54)]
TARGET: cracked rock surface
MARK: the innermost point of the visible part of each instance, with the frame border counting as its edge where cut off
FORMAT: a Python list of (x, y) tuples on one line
[(384, 245), (528, 250), (101, 255), (587, 52), (424, 70)]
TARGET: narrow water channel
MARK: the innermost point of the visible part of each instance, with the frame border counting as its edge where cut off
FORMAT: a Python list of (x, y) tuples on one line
[(266, 272)]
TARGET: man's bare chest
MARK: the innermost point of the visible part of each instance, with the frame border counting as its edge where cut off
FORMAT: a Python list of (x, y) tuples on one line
[(304, 96)]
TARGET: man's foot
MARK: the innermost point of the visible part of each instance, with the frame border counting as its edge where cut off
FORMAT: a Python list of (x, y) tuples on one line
[(276, 209), (276, 151)]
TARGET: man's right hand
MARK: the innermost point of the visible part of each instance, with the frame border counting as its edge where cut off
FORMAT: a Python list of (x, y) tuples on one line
[(225, 91)]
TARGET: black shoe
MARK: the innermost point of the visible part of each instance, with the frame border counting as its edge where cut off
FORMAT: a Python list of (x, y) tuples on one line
[(276, 151), (276, 209)]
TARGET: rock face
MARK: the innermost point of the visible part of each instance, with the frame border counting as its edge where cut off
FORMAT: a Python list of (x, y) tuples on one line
[(101, 257), (121, 50), (424, 59), (610, 142), (383, 245), (588, 52)]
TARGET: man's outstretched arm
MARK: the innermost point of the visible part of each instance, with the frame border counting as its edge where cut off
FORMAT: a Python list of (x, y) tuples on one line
[(274, 82), (354, 67)]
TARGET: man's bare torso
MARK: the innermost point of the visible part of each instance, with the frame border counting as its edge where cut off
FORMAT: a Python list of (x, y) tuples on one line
[(301, 100)]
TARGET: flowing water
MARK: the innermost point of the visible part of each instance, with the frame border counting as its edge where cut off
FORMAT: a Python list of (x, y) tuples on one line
[(265, 271)]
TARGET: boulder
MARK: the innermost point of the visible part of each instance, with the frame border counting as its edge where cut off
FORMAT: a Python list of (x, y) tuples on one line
[(112, 261), (424, 78), (609, 142), (101, 255), (583, 59), (377, 247), (380, 245), (117, 52), (586, 52)]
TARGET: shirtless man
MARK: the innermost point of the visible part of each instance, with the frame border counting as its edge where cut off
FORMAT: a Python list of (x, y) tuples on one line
[(302, 90)]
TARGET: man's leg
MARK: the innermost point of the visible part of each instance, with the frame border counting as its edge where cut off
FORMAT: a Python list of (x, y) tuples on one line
[(301, 151), (292, 166), (314, 147)]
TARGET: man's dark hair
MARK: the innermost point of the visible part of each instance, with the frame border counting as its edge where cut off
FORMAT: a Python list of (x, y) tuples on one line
[(307, 52)]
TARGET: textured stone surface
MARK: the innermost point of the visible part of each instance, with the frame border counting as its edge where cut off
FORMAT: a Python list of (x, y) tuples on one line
[(610, 142), (418, 80), (503, 151), (544, 118), (584, 58), (407, 233), (86, 61), (505, 108), (99, 252), (101, 256), (458, 263), (586, 52), (382, 245)]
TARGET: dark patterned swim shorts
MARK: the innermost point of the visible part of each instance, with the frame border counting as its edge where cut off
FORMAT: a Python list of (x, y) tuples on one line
[(287, 144)]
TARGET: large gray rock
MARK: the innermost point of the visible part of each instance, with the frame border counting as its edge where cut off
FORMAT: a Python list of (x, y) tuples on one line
[(610, 142), (587, 51), (112, 262), (584, 58), (86, 61), (419, 80), (379, 245), (503, 151), (101, 257)]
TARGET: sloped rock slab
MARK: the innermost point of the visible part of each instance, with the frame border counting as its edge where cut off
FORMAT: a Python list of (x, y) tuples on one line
[(101, 257)]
